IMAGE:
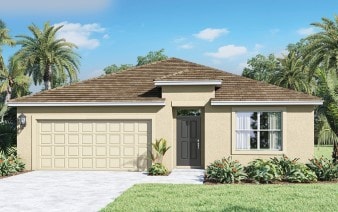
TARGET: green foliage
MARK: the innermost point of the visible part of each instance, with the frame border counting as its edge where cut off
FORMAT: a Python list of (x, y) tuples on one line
[(324, 168), (160, 147), (324, 135), (43, 54), (7, 138), (292, 171), (115, 69), (292, 74), (10, 165), (157, 169), (263, 171), (5, 38), (261, 68), (225, 171), (151, 57), (321, 48)]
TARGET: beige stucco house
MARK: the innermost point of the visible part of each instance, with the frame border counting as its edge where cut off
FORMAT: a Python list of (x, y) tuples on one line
[(109, 123)]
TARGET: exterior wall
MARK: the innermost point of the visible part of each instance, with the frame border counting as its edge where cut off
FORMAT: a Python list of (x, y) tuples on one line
[(298, 134), (216, 124), (185, 97)]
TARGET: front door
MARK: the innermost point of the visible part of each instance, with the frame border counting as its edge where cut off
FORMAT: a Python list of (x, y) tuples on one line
[(189, 141)]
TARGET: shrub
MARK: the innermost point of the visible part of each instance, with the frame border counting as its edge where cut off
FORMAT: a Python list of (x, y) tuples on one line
[(325, 169), (225, 171), (158, 169), (292, 171), (160, 148), (10, 165), (7, 138), (263, 171)]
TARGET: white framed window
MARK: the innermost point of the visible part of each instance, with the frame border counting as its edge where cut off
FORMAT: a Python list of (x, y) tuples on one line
[(259, 131)]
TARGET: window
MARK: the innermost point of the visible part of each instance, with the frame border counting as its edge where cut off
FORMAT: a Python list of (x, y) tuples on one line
[(259, 131)]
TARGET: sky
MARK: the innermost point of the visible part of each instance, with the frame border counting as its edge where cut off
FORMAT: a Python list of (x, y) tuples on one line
[(219, 33)]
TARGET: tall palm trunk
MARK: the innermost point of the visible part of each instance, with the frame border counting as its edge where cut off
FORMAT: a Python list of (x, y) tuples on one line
[(47, 77)]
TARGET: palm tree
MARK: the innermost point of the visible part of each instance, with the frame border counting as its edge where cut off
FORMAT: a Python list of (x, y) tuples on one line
[(5, 38), (292, 74), (12, 80), (45, 55), (328, 90), (321, 49)]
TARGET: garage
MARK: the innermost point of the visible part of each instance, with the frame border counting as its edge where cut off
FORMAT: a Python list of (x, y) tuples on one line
[(93, 144)]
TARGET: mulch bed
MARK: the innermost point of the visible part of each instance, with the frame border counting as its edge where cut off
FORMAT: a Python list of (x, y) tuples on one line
[(18, 173)]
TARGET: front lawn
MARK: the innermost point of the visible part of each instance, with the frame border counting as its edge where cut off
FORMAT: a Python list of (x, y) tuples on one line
[(325, 151), (283, 197)]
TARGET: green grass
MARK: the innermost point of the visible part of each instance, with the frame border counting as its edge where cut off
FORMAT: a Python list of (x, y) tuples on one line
[(247, 197), (325, 151)]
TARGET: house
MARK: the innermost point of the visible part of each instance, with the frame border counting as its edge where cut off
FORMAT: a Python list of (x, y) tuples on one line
[(109, 122)]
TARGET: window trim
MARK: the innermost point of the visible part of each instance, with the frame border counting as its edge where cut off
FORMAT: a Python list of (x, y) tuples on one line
[(283, 111)]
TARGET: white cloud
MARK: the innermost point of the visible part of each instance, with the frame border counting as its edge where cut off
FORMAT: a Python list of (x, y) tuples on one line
[(186, 46), (80, 34), (59, 6), (306, 31), (210, 34), (228, 51)]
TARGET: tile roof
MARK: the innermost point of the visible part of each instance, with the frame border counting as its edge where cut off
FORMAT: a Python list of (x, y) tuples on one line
[(137, 84)]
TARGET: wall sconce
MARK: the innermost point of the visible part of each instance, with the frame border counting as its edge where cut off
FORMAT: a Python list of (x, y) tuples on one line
[(22, 120)]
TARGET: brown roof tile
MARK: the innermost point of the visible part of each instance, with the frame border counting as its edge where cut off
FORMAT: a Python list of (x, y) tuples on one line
[(137, 84)]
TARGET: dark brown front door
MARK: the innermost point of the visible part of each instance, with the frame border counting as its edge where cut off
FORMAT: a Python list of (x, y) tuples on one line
[(189, 141)]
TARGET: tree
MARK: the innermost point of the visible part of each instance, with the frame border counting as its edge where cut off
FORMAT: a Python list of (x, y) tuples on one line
[(151, 57), (46, 56), (114, 68), (13, 82), (322, 47), (5, 38), (141, 60), (261, 68), (328, 90), (292, 74)]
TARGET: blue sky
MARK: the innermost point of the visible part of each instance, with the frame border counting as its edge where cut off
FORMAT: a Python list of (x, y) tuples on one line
[(218, 33)]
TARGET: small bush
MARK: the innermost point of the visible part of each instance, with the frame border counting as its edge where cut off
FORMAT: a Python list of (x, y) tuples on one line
[(10, 165), (158, 169), (325, 169), (225, 171), (263, 171), (292, 171)]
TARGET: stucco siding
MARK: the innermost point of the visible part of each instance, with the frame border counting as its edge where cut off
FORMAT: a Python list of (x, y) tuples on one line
[(217, 127)]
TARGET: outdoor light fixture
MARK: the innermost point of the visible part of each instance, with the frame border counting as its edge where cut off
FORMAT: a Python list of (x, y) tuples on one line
[(22, 120)]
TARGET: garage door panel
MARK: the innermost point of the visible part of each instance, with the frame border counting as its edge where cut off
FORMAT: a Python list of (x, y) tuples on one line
[(101, 139), (59, 139), (114, 139), (87, 139), (93, 145), (73, 139), (73, 163), (60, 163)]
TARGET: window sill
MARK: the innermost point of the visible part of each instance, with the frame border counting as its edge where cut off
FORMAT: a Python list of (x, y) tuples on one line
[(257, 152)]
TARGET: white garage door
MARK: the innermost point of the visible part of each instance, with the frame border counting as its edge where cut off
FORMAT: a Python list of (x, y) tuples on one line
[(93, 145)]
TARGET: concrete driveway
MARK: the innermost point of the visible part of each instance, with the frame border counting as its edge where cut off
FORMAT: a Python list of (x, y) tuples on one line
[(76, 190)]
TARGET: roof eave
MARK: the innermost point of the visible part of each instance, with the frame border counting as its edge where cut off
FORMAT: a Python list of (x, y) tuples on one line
[(265, 103), (85, 104)]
